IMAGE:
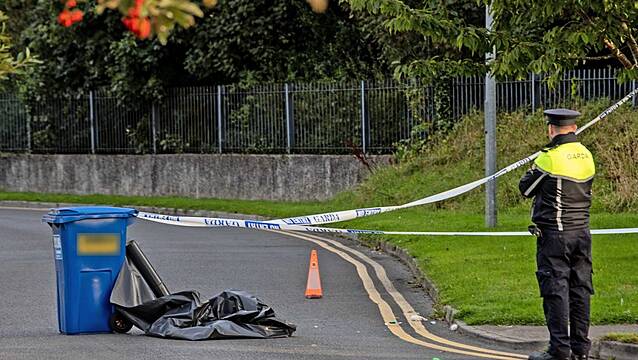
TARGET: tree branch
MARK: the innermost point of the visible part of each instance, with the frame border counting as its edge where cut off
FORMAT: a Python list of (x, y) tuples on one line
[(615, 51), (633, 46), (597, 58)]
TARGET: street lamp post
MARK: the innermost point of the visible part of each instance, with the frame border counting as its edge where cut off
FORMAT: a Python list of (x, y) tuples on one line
[(490, 134)]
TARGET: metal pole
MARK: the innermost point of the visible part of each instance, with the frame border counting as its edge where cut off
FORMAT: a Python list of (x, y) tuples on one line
[(92, 120), (490, 134), (220, 133), (633, 99), (289, 123), (154, 127), (29, 132), (533, 77), (363, 117)]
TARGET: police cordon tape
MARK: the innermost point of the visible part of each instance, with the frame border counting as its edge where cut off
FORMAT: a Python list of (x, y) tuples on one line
[(192, 221), (307, 222)]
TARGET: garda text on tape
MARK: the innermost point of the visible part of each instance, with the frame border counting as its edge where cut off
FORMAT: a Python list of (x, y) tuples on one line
[(193, 221), (304, 223)]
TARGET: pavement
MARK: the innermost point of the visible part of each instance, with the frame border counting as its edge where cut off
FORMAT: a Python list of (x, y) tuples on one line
[(541, 335), (361, 316), (530, 338)]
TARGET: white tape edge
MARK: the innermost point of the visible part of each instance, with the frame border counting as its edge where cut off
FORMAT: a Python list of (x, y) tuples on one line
[(191, 221)]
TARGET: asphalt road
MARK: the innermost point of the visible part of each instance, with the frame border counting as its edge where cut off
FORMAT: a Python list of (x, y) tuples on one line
[(345, 323)]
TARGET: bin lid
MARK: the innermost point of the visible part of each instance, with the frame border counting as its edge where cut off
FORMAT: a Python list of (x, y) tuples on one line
[(70, 214)]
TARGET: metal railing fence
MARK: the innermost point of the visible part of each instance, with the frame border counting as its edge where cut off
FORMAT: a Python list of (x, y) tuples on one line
[(340, 117), (533, 92)]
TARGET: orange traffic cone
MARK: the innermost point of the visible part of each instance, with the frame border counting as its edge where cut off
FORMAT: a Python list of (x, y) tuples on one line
[(313, 288)]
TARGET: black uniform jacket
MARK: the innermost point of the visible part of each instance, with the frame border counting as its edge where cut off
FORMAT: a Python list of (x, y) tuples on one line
[(560, 182)]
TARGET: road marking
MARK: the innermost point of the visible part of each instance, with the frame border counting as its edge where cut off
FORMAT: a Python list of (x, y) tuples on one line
[(405, 306), (386, 311)]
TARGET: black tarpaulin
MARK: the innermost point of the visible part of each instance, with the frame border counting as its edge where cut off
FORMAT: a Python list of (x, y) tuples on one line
[(183, 315)]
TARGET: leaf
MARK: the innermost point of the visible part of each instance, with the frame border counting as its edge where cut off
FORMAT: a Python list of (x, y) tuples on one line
[(184, 6)]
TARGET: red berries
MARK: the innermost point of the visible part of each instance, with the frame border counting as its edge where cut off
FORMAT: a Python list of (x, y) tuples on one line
[(140, 26), (69, 17), (77, 16), (64, 18)]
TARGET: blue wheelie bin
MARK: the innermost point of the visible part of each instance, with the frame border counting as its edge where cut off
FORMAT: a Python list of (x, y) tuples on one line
[(89, 246)]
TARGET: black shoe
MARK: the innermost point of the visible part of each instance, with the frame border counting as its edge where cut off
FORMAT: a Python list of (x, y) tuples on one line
[(579, 357), (544, 355)]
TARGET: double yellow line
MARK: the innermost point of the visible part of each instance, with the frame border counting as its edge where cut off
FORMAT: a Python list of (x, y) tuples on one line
[(388, 316)]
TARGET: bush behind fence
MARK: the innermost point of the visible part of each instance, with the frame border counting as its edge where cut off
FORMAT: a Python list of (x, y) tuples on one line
[(344, 117)]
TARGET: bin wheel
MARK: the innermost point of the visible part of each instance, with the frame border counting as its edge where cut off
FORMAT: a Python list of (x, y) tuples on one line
[(119, 324)]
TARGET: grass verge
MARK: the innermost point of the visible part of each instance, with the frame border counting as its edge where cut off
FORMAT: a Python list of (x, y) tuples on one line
[(627, 338)]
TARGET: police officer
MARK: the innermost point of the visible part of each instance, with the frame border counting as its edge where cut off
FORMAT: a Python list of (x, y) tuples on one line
[(560, 182)]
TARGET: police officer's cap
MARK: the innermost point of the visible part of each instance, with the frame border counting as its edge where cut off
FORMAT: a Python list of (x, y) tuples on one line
[(561, 117)]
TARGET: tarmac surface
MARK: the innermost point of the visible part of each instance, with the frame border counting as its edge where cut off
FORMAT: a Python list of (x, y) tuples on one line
[(344, 324)]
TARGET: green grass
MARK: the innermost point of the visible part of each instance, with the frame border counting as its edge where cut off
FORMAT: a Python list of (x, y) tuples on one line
[(265, 208), (627, 338), (490, 280)]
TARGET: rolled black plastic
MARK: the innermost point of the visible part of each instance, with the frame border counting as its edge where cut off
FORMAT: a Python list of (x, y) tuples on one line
[(145, 268)]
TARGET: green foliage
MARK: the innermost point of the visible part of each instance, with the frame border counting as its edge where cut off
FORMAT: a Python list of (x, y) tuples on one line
[(627, 338), (164, 15), (550, 36), (443, 120), (528, 36), (138, 69), (238, 41), (172, 143), (72, 58), (10, 65), (451, 28), (261, 41), (137, 136)]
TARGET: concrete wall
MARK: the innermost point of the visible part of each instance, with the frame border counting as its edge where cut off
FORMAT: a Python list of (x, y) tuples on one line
[(266, 177)]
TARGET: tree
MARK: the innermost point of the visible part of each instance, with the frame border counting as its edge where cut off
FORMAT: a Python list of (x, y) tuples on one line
[(78, 58), (236, 41), (552, 36), (10, 65), (142, 17), (145, 18), (457, 39), (261, 41), (538, 36)]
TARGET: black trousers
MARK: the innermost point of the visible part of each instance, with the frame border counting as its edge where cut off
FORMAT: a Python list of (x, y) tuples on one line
[(564, 276)]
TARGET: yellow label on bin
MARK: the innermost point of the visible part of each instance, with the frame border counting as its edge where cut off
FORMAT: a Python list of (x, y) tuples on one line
[(98, 244)]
